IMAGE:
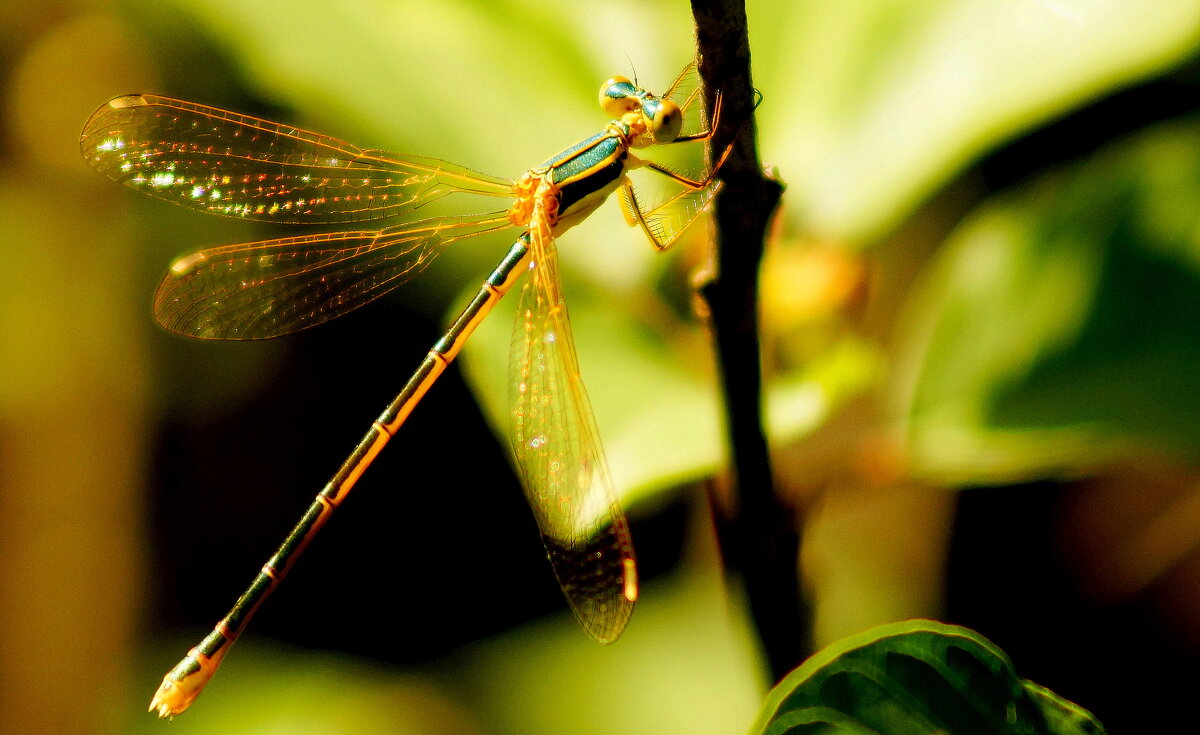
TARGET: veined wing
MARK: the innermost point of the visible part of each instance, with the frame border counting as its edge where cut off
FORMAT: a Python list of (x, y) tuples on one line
[(558, 455), (687, 91), (671, 215), (667, 220), (235, 165), (265, 289)]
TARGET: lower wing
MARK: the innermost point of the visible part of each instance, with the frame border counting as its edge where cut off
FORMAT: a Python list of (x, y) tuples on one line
[(257, 290), (559, 457)]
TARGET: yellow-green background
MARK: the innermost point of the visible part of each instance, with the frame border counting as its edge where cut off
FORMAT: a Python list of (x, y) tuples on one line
[(927, 330)]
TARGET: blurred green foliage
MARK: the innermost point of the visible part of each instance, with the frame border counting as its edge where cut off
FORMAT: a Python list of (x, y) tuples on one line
[(1048, 334), (1055, 331)]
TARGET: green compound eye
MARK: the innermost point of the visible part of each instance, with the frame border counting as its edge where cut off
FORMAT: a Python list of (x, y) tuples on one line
[(618, 96), (663, 119)]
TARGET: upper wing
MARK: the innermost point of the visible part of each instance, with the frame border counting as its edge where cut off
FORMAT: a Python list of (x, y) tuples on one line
[(240, 166), (561, 463), (265, 289), (687, 91), (670, 215)]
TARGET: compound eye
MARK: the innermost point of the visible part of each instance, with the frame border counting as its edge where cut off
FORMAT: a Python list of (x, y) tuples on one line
[(663, 120), (618, 96)]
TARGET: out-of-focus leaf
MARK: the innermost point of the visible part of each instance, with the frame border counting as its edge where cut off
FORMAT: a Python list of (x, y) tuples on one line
[(686, 665), (1057, 329), (917, 676), (449, 79), (870, 106), (651, 385)]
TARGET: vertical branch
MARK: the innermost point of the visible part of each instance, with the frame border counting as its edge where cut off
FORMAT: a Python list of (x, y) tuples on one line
[(758, 537)]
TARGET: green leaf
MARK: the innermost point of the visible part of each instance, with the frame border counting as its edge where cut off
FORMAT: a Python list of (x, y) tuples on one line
[(1057, 329), (868, 106), (871, 105), (914, 678)]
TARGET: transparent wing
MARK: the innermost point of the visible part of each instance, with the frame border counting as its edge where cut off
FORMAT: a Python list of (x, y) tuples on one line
[(687, 91), (235, 165), (685, 85), (561, 463), (666, 221), (265, 289), (666, 213)]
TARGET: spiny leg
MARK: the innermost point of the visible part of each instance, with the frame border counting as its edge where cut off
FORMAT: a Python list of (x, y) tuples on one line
[(663, 223)]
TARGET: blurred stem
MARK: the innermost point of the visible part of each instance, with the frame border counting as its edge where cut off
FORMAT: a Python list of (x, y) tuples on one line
[(759, 536)]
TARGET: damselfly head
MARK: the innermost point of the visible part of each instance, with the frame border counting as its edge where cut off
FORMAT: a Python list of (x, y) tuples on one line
[(660, 119)]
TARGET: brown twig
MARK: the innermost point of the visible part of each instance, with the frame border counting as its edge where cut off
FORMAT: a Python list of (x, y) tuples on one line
[(758, 537)]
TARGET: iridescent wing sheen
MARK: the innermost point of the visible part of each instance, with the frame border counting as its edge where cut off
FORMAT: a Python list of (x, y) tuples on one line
[(559, 458), (266, 289), (235, 165)]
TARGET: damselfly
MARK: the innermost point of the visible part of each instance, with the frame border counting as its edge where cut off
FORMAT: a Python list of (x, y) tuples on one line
[(229, 164)]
